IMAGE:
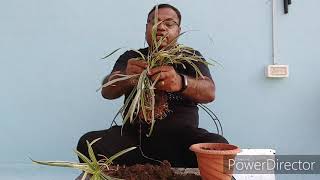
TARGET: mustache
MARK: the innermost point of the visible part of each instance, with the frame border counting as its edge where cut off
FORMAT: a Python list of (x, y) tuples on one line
[(162, 34)]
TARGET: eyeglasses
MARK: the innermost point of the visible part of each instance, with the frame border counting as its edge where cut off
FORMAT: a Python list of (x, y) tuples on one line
[(167, 23)]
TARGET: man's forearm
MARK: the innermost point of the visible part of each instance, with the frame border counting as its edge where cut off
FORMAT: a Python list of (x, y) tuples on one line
[(200, 90), (115, 90)]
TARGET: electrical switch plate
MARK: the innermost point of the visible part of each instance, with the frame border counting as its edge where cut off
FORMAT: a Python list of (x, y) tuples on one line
[(277, 71)]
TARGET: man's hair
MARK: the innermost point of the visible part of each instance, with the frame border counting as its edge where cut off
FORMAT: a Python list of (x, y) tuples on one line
[(167, 6)]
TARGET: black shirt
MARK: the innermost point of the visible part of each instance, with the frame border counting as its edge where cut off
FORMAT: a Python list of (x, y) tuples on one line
[(182, 111)]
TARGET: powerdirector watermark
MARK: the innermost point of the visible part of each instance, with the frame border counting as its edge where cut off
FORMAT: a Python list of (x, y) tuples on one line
[(273, 164)]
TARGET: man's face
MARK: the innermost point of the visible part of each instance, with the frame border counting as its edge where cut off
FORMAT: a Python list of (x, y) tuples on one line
[(169, 28)]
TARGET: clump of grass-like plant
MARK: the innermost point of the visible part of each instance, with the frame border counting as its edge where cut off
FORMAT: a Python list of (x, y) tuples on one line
[(145, 101), (91, 165)]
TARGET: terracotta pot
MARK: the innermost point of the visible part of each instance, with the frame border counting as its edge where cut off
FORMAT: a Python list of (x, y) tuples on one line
[(214, 160)]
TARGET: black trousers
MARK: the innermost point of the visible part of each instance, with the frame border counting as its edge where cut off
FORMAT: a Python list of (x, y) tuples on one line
[(169, 144)]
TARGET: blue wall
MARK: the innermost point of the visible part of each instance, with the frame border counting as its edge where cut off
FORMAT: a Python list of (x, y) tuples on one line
[(50, 70)]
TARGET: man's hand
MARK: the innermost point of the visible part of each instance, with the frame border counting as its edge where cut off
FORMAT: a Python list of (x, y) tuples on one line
[(201, 90), (135, 66), (168, 79)]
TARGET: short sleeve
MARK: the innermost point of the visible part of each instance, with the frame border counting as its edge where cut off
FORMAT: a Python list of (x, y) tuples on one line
[(204, 69), (122, 62)]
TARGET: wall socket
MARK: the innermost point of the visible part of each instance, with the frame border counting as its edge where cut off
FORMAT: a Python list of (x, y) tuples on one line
[(277, 71)]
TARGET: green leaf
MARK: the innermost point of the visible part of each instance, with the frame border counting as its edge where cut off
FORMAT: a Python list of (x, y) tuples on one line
[(88, 167), (110, 160), (92, 155), (124, 107), (142, 55), (80, 166), (133, 107), (155, 29), (84, 176), (111, 53), (152, 112), (124, 77), (85, 159)]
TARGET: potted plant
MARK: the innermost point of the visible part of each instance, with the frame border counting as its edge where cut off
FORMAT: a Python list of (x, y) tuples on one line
[(91, 166), (214, 160), (104, 169)]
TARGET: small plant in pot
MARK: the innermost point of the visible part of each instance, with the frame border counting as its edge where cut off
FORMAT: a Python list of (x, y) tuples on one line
[(105, 169), (213, 160), (91, 166)]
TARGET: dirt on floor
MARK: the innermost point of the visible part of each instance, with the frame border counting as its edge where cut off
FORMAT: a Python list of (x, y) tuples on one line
[(149, 172)]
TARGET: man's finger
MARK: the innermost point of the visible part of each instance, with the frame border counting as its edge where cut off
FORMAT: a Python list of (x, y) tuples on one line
[(135, 69), (137, 62), (161, 85), (159, 69), (160, 76)]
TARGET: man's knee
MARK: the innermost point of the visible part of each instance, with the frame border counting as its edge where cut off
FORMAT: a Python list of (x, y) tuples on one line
[(88, 137), (203, 136), (82, 143), (220, 139)]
